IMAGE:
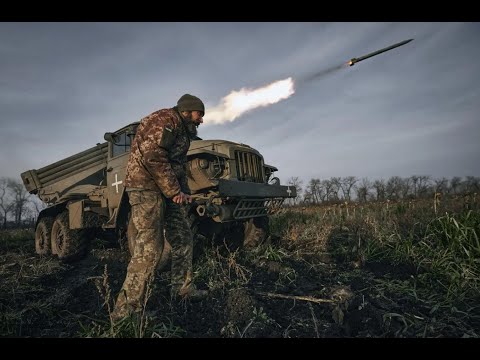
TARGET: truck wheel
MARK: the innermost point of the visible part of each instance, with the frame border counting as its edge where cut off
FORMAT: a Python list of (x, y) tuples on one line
[(68, 244), (42, 236), (256, 231)]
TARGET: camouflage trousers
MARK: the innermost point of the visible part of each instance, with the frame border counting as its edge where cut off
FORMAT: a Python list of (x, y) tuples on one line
[(152, 213)]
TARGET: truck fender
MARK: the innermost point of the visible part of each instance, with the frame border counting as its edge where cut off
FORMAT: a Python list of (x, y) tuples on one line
[(51, 211)]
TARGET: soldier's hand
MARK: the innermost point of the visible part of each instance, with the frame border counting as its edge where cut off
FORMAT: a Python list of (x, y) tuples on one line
[(182, 198)]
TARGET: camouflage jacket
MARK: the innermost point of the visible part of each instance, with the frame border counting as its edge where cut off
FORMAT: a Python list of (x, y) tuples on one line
[(158, 157)]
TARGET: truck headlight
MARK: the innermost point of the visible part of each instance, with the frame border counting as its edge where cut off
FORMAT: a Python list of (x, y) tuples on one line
[(203, 163)]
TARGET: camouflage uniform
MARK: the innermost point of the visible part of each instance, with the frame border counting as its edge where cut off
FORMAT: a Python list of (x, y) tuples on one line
[(158, 158), (156, 172)]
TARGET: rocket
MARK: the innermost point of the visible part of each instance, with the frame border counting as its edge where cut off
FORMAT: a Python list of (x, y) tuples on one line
[(355, 60)]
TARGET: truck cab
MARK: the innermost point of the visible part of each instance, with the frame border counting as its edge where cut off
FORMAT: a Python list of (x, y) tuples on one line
[(119, 145)]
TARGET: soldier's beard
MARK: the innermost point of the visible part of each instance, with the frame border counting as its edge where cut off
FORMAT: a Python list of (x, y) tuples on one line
[(192, 128)]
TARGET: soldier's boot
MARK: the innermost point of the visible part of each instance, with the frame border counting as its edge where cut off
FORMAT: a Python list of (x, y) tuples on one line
[(193, 294), (188, 290), (120, 313), (123, 309)]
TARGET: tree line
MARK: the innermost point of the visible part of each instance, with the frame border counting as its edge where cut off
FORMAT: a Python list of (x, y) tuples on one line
[(351, 188), (18, 208)]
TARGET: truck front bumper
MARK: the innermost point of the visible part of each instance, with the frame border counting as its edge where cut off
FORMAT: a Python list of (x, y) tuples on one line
[(247, 200), (242, 189)]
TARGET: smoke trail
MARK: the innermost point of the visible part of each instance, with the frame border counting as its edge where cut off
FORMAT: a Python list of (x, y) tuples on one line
[(321, 73), (239, 102)]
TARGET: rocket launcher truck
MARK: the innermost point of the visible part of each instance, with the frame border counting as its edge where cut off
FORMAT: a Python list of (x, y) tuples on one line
[(234, 193)]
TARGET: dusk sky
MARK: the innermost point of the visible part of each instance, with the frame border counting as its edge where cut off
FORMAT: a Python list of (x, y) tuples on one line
[(414, 110)]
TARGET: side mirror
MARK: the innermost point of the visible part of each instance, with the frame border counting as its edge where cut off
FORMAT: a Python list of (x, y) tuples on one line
[(111, 137), (131, 131)]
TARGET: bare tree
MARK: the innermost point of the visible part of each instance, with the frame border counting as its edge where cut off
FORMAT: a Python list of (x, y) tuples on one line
[(394, 188), (414, 181), (315, 190), (423, 185), (472, 184), (455, 185), (441, 185), (6, 202), (328, 186), (363, 190), (335, 188), (322, 191), (405, 188), (20, 198), (346, 184), (379, 186)]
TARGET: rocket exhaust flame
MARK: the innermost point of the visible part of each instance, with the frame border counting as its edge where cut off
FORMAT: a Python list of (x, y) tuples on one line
[(239, 102)]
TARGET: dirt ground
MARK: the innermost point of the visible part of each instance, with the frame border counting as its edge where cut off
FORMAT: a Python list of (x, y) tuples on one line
[(312, 296)]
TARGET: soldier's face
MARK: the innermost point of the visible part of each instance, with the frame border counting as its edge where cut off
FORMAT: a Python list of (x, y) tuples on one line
[(197, 117)]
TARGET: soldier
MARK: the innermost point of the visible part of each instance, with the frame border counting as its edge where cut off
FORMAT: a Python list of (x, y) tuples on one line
[(156, 182)]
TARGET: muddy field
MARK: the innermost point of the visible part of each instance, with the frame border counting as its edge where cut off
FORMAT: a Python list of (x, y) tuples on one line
[(309, 283)]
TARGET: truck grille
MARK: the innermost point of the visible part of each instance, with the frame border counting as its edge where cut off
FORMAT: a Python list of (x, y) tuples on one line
[(249, 208), (249, 167)]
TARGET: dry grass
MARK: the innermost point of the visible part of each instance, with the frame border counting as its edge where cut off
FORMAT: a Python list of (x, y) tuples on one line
[(412, 269)]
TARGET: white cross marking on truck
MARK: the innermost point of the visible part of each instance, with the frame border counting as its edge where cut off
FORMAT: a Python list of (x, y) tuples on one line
[(116, 183), (289, 191)]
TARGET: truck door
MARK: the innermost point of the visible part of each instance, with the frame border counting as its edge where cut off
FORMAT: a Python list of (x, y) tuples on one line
[(119, 151)]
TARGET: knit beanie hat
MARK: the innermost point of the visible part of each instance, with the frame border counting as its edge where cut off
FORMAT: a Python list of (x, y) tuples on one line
[(190, 103)]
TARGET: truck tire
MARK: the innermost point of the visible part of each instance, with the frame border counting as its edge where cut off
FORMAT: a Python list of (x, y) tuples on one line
[(43, 235), (256, 231), (69, 245)]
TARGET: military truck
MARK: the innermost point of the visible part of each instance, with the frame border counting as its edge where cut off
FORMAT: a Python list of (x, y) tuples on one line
[(234, 192)]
